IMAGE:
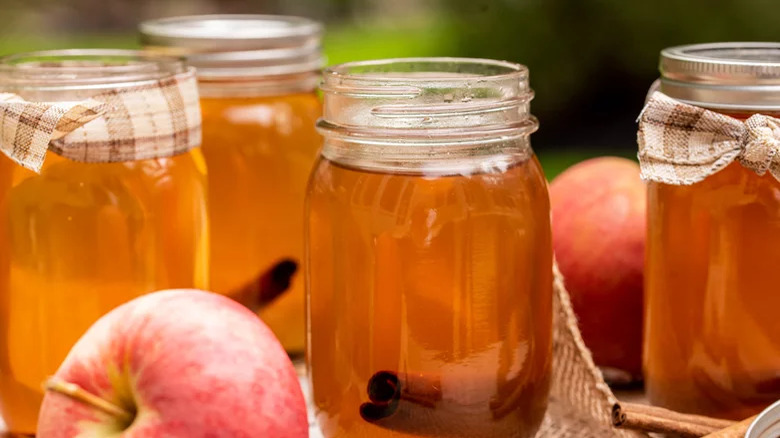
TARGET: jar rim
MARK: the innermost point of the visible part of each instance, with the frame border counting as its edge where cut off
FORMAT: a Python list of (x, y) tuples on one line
[(409, 113), (459, 69), (414, 113), (84, 69), (426, 100), (732, 62), (238, 46), (765, 423), (725, 75), (189, 30)]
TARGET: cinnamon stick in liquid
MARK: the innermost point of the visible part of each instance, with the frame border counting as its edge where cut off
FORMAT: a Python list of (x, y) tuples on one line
[(413, 403), (270, 285), (386, 390)]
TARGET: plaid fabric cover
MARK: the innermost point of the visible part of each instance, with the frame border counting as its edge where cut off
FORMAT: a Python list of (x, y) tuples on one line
[(683, 144), (150, 119)]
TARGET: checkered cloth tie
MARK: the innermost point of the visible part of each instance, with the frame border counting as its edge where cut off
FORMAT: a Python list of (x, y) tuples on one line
[(150, 119), (683, 144)]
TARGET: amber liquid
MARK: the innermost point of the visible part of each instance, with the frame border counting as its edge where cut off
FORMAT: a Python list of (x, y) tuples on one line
[(441, 275), (712, 343), (259, 153), (79, 239)]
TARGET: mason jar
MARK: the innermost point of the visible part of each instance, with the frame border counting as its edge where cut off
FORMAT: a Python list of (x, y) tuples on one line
[(428, 260), (712, 336), (103, 220), (258, 75)]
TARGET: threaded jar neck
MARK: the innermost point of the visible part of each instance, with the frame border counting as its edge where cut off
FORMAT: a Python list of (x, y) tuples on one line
[(416, 111)]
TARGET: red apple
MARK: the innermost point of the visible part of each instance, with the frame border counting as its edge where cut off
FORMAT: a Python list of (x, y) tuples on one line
[(598, 224), (177, 363)]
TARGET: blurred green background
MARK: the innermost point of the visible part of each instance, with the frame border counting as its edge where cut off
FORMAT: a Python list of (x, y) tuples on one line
[(591, 61)]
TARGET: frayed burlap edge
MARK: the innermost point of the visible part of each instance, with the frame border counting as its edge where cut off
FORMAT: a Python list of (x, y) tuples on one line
[(581, 403)]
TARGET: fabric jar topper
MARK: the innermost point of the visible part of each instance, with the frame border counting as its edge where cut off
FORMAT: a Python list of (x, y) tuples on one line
[(150, 119), (683, 144)]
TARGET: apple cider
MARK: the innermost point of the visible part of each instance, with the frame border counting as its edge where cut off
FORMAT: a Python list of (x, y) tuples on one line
[(715, 348), (712, 336), (259, 153), (80, 238), (257, 78), (429, 258)]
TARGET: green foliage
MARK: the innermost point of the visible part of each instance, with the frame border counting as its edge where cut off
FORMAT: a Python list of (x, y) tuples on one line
[(591, 61), (576, 47), (342, 42), (555, 161), (348, 42)]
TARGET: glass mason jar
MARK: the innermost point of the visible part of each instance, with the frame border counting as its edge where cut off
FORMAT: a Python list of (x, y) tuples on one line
[(712, 337), (258, 76), (428, 260), (80, 238)]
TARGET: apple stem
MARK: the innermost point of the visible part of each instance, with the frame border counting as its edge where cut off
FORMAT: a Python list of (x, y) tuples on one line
[(78, 393)]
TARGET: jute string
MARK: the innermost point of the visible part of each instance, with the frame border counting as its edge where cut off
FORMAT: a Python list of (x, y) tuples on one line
[(149, 119), (581, 403)]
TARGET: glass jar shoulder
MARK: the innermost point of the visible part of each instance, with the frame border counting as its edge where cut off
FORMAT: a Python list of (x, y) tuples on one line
[(125, 185), (56, 167), (260, 111), (488, 186), (268, 128), (731, 187)]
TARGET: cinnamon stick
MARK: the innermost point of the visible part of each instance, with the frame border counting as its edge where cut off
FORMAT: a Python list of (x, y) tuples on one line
[(736, 430), (386, 389), (264, 289), (660, 420)]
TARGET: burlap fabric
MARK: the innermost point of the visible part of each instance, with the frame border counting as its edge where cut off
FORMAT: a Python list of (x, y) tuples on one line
[(580, 401), (149, 119), (683, 144)]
